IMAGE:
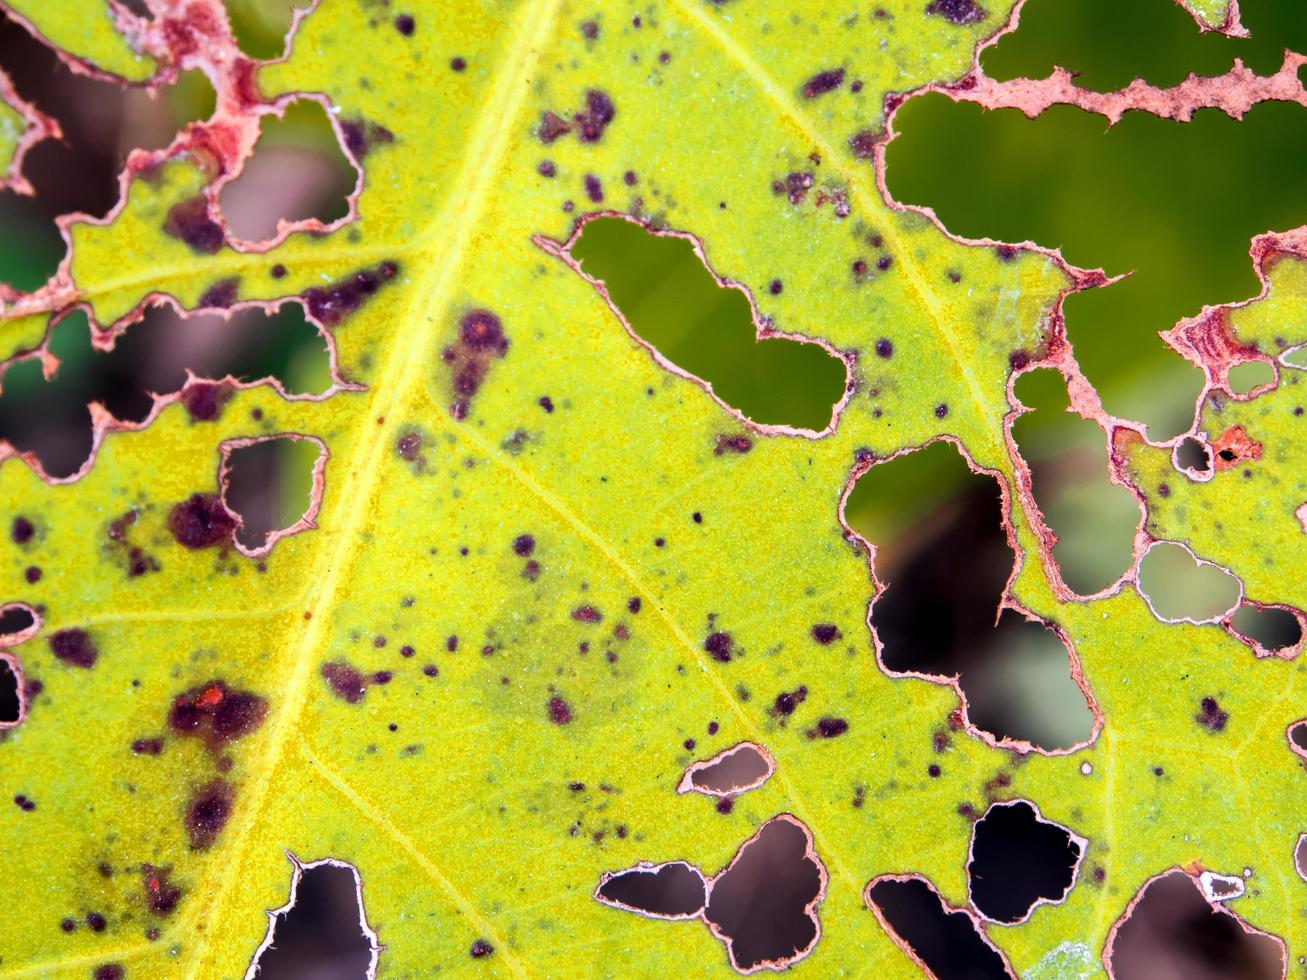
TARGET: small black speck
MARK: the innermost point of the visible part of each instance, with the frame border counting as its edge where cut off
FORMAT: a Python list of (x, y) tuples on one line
[(941, 410), (458, 64)]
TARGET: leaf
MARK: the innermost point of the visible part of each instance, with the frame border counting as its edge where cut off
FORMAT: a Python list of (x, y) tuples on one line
[(429, 699)]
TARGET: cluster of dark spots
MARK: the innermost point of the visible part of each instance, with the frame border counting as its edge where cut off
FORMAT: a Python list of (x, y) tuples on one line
[(589, 30), (161, 895), (147, 746), (795, 186), (595, 117), (24, 803), (941, 410), (828, 728), (826, 633), (720, 646), (552, 126), (221, 294), (859, 796), (737, 444), (204, 400), (458, 63), (345, 681), (405, 24), (217, 714), (207, 813), (109, 971), (957, 11), (201, 521), (725, 804), (191, 222), (587, 614), (594, 190), (480, 949), (787, 701), (361, 135), (74, 647), (409, 446), (863, 144), (1210, 715), (21, 530), (330, 305), (560, 712), (547, 404), (546, 168), (823, 82), (1018, 360), (480, 338), (996, 783)]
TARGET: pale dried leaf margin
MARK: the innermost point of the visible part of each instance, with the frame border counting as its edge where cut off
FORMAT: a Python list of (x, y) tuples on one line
[(1007, 601), (37, 127), (298, 868), (977, 922)]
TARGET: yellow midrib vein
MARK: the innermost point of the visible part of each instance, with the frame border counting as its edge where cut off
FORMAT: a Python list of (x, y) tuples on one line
[(403, 367)]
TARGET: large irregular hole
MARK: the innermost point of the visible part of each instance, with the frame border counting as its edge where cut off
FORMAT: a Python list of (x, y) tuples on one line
[(1094, 519), (51, 417), (1114, 198), (675, 304), (101, 122), (1171, 931), (944, 560), (732, 771), (269, 484), (15, 619), (321, 933), (1018, 861), (1270, 627), (675, 890), (946, 943), (1180, 588), (260, 26), (763, 905), (1110, 43), (297, 172), (11, 705), (1249, 376)]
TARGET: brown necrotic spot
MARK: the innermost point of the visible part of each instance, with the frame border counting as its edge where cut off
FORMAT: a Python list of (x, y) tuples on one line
[(594, 190), (221, 294), (74, 647), (863, 144), (738, 444), (947, 943), (720, 646), (207, 813), (161, 895), (675, 890), (763, 905), (1019, 861), (733, 771), (551, 127), (201, 521), (191, 222), (345, 681), (1210, 715), (823, 82), (217, 713)]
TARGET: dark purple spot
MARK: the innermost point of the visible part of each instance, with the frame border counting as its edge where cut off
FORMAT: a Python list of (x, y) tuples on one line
[(207, 813), (546, 168), (405, 25), (796, 186), (884, 262), (560, 712), (67, 925), (1005, 253), (161, 895), (431, 670), (96, 922), (278, 271), (406, 650), (409, 446), (331, 304), (884, 348), (109, 971), (480, 948), (586, 614), (593, 189), (732, 444), (147, 746), (633, 605), (451, 643), (1210, 715), (21, 530), (458, 63), (775, 287), (552, 126), (201, 521), (933, 770), (1018, 360), (73, 646), (829, 728), (238, 714), (823, 82), (382, 677), (481, 331), (720, 646), (547, 404), (190, 221), (590, 30), (859, 267), (204, 400), (524, 545), (957, 11), (220, 295), (345, 681), (941, 410), (825, 633), (33, 574), (629, 178), (24, 804), (664, 57), (863, 144), (725, 804), (598, 113), (713, 728), (659, 542)]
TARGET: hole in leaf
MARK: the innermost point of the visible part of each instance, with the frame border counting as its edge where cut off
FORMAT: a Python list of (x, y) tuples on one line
[(675, 890), (321, 933), (15, 618), (260, 26), (1094, 519), (1171, 931), (1270, 627), (51, 418), (733, 771), (269, 485), (674, 303), (1109, 43), (101, 123), (1297, 735), (297, 172), (1114, 198), (1295, 358), (763, 905), (944, 560), (11, 705), (1245, 377), (1180, 589), (1019, 861), (1300, 856), (947, 943), (1192, 455)]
